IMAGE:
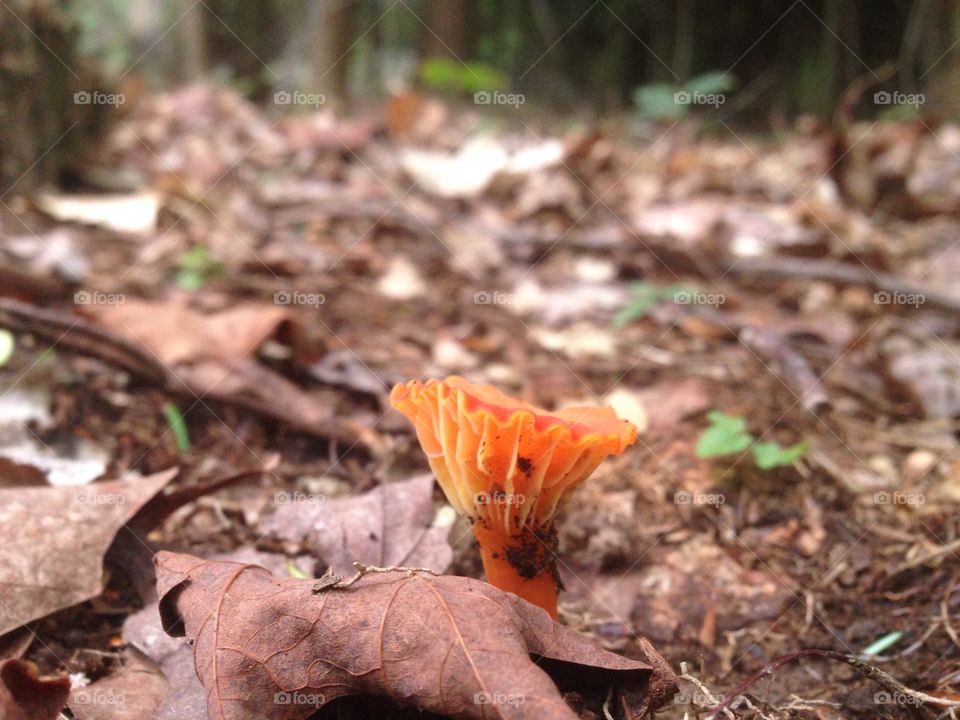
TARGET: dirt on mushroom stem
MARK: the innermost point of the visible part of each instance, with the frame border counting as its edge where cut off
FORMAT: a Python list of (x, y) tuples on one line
[(523, 561)]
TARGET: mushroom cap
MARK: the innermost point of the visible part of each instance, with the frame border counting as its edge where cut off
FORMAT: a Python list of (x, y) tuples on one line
[(500, 459)]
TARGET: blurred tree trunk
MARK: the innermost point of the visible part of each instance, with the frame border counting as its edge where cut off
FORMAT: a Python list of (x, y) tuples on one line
[(192, 39), (450, 31), (246, 37), (938, 73), (48, 112), (330, 29)]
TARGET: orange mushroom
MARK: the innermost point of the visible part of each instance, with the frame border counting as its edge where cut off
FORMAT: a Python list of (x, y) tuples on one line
[(507, 465)]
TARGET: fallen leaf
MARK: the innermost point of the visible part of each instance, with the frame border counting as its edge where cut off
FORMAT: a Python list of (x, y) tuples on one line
[(135, 692), (669, 598), (578, 340), (925, 371), (54, 540), (273, 648), (76, 463), (213, 355), (26, 696), (628, 405), (669, 402), (390, 525), (56, 252), (469, 171), (345, 368), (402, 281), (177, 334), (135, 213), (143, 630)]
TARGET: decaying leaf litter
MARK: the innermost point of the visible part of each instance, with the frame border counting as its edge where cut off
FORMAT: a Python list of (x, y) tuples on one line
[(290, 270)]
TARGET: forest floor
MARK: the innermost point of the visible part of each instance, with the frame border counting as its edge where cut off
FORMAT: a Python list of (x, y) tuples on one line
[(243, 314)]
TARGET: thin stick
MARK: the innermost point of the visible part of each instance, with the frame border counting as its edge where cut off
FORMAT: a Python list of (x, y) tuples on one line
[(363, 570)]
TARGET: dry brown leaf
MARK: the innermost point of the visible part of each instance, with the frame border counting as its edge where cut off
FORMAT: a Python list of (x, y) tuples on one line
[(213, 355), (673, 593), (177, 334), (670, 402), (390, 525), (143, 631), (274, 648), (26, 696), (135, 692), (52, 542), (926, 371)]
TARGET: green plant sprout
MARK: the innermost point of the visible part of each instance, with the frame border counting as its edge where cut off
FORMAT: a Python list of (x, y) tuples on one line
[(663, 101), (728, 435), (196, 267), (446, 75), (178, 426), (646, 296)]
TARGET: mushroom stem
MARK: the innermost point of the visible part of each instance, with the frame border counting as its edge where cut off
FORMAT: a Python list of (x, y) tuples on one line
[(522, 564)]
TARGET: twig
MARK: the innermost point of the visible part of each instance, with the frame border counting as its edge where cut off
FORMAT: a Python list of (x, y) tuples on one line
[(950, 547), (882, 678), (945, 612), (606, 704), (331, 581), (711, 701)]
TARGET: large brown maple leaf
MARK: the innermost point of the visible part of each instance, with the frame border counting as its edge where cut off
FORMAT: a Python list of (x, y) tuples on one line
[(280, 648)]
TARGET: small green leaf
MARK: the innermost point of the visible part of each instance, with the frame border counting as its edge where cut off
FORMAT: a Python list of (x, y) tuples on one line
[(7, 345), (448, 75), (294, 571), (656, 102), (711, 83), (190, 279), (177, 425), (196, 267), (768, 455), (888, 640), (645, 298), (726, 435)]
